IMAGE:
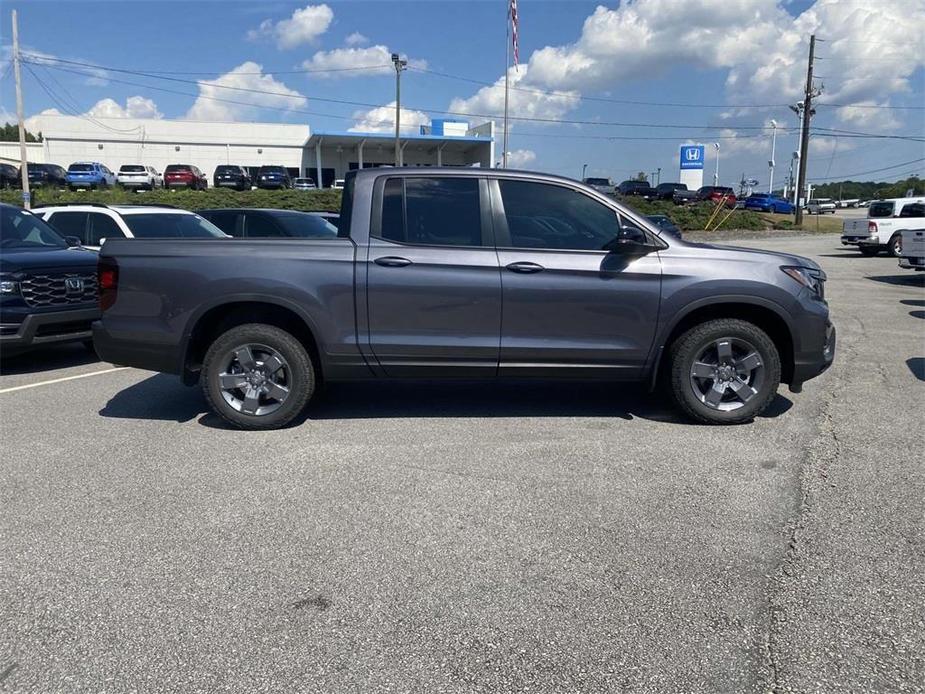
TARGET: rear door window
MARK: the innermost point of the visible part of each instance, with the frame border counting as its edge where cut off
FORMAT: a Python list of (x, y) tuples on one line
[(70, 224), (878, 210), (432, 211), (916, 209), (262, 226), (102, 226), (228, 221)]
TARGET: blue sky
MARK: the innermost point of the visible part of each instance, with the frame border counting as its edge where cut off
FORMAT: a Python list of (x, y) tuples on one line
[(579, 59)]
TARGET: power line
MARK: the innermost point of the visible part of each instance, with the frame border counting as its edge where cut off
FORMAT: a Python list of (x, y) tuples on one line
[(864, 173)]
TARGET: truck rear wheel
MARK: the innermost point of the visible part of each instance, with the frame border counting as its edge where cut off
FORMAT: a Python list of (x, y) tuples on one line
[(257, 376), (724, 371), (895, 246)]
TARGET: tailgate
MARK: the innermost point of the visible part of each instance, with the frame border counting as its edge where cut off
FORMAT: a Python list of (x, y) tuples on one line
[(914, 244), (855, 227)]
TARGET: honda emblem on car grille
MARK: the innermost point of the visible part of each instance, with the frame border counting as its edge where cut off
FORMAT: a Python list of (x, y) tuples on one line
[(73, 285)]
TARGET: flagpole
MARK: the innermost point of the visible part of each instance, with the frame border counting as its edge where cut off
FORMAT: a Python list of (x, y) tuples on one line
[(507, 66)]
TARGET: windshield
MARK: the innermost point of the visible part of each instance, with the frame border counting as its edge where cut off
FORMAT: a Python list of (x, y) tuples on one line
[(80, 167), (597, 181), (168, 225), (19, 229), (880, 209), (174, 168), (306, 225), (132, 168), (226, 169)]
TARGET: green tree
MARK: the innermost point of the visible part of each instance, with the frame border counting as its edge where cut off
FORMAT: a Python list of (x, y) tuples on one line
[(641, 176), (10, 133)]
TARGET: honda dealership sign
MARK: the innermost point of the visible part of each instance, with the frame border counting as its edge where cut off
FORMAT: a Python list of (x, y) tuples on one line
[(691, 166)]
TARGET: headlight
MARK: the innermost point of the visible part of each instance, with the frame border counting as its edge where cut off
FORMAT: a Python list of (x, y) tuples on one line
[(9, 287), (809, 277)]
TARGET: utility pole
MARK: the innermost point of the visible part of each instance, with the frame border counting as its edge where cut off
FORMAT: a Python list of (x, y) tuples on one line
[(584, 168), (804, 136), (24, 170), (658, 175), (771, 161), (399, 66), (716, 172)]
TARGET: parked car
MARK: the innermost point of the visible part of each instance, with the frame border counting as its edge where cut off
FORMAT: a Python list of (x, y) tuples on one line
[(331, 217), (90, 175), (139, 177), (185, 176), (93, 223), (765, 202), (601, 185), (664, 223), (40, 175), (640, 189), (683, 196), (9, 176), (269, 177), (338, 184), (820, 206), (414, 284), (666, 191), (913, 250), (715, 194), (304, 184), (231, 176), (883, 227), (249, 222), (47, 284)]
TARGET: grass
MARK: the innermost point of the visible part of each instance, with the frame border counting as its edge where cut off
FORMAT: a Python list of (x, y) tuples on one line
[(819, 223)]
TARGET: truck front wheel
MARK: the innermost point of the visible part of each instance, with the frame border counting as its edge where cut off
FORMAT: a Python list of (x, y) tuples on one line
[(257, 376), (724, 371)]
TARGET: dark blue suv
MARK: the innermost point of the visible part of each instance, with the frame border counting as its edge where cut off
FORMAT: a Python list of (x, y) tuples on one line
[(48, 287), (273, 177)]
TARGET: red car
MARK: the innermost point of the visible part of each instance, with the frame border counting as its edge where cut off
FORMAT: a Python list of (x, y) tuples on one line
[(185, 176), (716, 193)]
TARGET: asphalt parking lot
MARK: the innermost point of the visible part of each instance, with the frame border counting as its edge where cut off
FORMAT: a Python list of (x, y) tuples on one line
[(474, 537)]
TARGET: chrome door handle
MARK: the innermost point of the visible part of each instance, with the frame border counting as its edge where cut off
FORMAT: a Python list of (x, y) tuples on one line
[(392, 261), (525, 267)]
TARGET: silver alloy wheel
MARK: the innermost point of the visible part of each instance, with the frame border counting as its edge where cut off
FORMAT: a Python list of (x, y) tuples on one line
[(727, 374), (256, 379)]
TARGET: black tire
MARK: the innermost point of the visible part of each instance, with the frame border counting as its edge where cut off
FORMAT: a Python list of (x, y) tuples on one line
[(300, 375), (869, 251), (895, 246), (686, 350)]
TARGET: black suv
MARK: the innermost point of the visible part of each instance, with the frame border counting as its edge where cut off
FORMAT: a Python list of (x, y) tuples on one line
[(666, 191), (48, 286), (9, 176), (231, 176), (640, 189), (273, 177), (47, 175)]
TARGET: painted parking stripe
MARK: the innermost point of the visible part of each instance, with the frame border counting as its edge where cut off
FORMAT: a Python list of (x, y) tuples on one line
[(62, 380)]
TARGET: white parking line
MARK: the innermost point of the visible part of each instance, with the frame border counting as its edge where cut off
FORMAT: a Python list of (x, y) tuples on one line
[(61, 380)]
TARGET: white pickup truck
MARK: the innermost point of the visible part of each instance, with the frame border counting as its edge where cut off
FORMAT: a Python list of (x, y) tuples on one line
[(883, 227), (913, 251)]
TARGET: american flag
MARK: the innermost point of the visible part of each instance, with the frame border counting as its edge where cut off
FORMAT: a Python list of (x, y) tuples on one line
[(513, 13)]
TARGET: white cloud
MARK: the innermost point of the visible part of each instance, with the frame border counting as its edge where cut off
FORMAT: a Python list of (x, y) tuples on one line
[(345, 60), (867, 115), (382, 120), (135, 107), (520, 158), (524, 101), (262, 90), (356, 39), (304, 26)]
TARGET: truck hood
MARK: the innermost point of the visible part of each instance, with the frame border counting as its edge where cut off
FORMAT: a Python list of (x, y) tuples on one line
[(18, 260), (768, 256)]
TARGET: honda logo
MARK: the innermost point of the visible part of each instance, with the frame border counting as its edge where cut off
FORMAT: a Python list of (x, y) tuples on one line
[(692, 154), (73, 285)]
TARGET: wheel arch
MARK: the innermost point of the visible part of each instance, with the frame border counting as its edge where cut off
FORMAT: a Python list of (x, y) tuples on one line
[(215, 319), (765, 315)]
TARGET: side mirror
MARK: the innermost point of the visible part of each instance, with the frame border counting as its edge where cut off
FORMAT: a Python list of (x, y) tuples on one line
[(630, 240), (72, 241)]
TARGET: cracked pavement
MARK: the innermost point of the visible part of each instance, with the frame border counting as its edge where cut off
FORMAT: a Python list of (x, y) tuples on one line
[(470, 537)]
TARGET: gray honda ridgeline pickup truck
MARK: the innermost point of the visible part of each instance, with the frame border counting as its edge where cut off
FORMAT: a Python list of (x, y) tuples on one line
[(441, 273)]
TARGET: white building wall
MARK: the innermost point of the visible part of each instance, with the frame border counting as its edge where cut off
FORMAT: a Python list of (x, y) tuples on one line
[(9, 153)]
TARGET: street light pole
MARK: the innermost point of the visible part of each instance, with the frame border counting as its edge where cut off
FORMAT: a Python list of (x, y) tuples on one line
[(658, 178), (584, 168), (399, 66), (716, 172), (771, 162), (24, 164)]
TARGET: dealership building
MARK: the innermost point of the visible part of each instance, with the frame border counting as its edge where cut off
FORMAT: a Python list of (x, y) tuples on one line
[(323, 156)]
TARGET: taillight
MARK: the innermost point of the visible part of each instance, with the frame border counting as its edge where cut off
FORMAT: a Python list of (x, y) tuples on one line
[(872, 227), (107, 276)]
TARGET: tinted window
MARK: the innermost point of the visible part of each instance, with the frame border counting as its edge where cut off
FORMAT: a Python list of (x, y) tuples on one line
[(880, 209), (167, 225), (132, 168), (262, 225), (306, 225), (102, 227), (20, 229), (80, 167), (174, 168), (432, 211), (70, 224), (226, 220), (914, 210), (540, 215), (226, 169), (273, 169), (597, 181)]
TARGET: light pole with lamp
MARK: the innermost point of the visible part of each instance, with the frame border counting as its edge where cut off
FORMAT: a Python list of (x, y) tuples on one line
[(399, 66), (584, 167), (771, 160), (716, 172)]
